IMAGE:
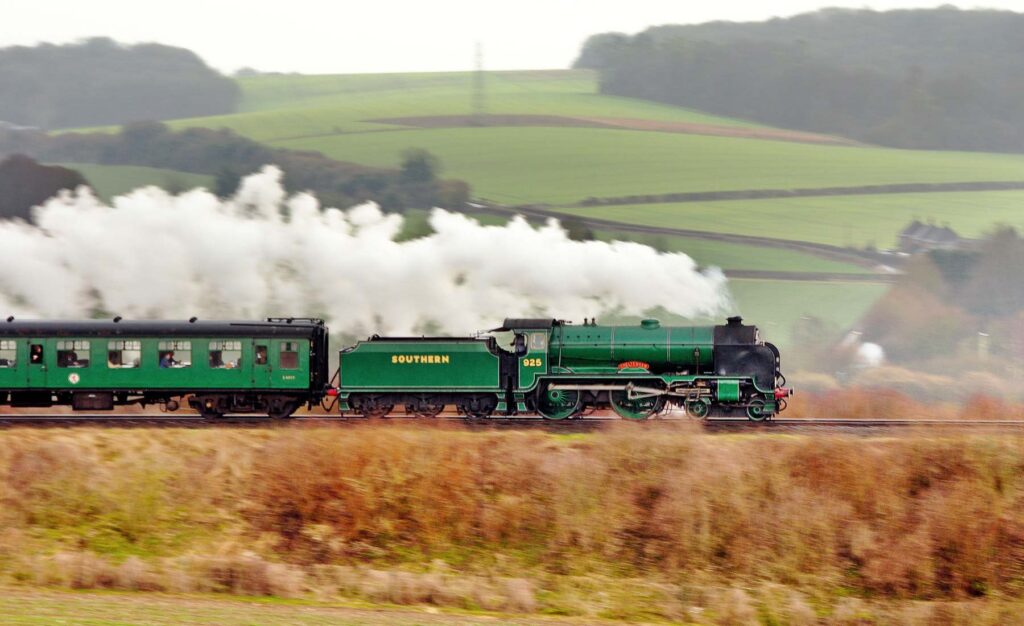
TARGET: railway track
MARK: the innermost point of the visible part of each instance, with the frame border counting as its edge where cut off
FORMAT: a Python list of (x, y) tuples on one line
[(726, 424)]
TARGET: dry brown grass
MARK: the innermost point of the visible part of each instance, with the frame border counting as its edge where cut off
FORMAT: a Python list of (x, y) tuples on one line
[(886, 403), (518, 520)]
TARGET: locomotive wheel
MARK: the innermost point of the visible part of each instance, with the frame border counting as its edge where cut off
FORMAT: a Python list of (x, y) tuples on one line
[(755, 411), (698, 409), (557, 404), (635, 409)]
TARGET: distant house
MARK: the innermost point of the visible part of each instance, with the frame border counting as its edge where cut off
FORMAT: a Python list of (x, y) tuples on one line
[(920, 237)]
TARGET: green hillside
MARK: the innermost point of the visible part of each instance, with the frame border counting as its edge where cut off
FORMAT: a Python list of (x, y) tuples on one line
[(112, 180), (837, 220), (561, 165), (655, 149), (278, 107)]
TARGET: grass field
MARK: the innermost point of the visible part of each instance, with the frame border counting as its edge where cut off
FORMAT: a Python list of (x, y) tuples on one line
[(776, 305), (559, 166), (563, 165), (736, 256), (724, 255), (658, 524), (838, 220), (23, 607), (111, 180), (289, 106)]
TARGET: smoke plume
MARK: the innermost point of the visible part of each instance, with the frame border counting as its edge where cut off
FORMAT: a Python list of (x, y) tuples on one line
[(151, 254)]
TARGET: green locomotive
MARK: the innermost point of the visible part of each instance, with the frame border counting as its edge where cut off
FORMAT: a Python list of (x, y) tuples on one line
[(562, 371)]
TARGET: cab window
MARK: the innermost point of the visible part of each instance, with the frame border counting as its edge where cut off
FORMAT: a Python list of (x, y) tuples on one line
[(289, 355), (174, 354), (225, 354), (73, 353), (8, 353), (124, 353), (538, 341)]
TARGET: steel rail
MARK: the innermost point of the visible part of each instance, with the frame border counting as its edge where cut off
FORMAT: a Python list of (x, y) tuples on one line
[(590, 422)]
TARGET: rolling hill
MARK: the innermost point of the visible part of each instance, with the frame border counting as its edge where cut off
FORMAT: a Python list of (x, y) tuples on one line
[(549, 138)]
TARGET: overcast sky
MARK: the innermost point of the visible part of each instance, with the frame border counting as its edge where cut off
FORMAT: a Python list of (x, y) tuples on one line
[(342, 36)]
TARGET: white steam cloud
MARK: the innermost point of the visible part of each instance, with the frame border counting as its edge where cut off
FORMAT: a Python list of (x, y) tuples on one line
[(155, 255)]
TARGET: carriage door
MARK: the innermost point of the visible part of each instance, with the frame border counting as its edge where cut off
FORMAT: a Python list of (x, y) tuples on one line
[(36, 357), (261, 369)]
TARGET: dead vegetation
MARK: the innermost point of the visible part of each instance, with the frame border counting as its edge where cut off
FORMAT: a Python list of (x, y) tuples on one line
[(629, 523)]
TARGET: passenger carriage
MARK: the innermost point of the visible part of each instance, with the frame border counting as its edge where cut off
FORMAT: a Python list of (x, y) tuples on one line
[(273, 366)]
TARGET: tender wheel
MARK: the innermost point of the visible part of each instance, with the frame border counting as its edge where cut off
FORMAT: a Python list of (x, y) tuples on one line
[(698, 409), (373, 406), (635, 408), (478, 406), (557, 404), (378, 412), (425, 407), (756, 411)]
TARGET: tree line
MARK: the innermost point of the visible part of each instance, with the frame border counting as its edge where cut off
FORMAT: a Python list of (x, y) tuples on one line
[(936, 79), (25, 184), (100, 82), (229, 156)]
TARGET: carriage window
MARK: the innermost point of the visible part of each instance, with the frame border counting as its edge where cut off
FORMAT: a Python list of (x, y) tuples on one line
[(124, 354), (538, 341), (225, 354), (175, 354), (289, 355), (73, 353), (260, 355), (8, 353)]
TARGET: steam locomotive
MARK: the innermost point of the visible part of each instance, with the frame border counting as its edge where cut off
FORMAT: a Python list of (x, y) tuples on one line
[(561, 371), (526, 366)]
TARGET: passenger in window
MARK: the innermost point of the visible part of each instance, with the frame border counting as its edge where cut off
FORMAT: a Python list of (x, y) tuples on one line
[(216, 359), (114, 358), (72, 359), (167, 360), (36, 354), (261, 355)]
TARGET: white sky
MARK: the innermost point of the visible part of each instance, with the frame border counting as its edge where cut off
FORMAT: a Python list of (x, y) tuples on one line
[(343, 36)]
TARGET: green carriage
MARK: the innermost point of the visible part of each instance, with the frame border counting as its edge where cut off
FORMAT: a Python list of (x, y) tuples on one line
[(270, 367)]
